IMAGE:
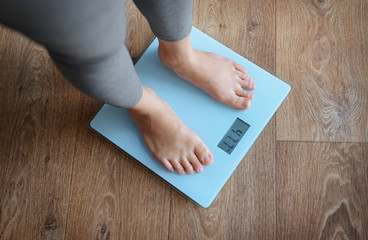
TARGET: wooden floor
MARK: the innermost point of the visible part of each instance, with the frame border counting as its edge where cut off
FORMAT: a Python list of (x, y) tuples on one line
[(305, 178)]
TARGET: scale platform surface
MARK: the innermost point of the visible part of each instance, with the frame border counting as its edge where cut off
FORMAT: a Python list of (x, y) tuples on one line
[(227, 132)]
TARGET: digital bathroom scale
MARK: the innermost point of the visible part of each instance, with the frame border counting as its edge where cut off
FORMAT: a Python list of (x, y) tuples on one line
[(227, 132)]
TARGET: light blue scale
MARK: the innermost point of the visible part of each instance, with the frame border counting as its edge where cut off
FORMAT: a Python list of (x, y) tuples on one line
[(227, 132)]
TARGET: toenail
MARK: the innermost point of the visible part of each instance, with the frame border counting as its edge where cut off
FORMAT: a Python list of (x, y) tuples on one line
[(207, 158), (201, 168)]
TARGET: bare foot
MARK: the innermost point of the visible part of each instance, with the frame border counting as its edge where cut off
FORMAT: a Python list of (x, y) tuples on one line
[(170, 141), (220, 77)]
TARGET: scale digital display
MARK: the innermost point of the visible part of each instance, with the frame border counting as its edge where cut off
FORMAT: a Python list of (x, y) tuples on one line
[(233, 135)]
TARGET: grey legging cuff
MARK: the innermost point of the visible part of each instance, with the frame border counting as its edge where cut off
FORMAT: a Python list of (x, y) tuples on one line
[(170, 20), (85, 39)]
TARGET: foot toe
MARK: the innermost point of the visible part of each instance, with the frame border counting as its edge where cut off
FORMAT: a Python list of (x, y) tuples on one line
[(203, 154), (247, 83), (178, 167), (187, 166), (242, 93), (246, 103), (196, 164), (243, 76), (240, 68), (240, 103), (167, 165)]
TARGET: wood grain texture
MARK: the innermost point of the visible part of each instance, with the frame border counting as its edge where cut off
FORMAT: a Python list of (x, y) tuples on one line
[(322, 190), (60, 180), (247, 27), (245, 208), (138, 31), (37, 135), (322, 49), (112, 196)]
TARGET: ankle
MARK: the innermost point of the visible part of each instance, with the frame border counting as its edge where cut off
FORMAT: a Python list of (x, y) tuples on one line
[(143, 107), (173, 54)]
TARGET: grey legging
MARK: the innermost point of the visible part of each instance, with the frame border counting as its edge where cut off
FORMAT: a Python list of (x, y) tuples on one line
[(85, 39)]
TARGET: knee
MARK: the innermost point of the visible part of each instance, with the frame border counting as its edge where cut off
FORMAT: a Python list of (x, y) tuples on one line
[(87, 51)]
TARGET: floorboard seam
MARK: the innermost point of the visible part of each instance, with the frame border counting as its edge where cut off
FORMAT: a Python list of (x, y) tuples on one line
[(275, 144), (169, 225), (70, 185)]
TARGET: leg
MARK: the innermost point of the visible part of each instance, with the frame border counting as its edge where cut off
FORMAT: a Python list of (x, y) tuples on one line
[(85, 39), (184, 151), (170, 20), (220, 77)]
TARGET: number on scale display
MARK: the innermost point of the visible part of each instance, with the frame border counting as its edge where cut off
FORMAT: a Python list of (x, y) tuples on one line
[(233, 135)]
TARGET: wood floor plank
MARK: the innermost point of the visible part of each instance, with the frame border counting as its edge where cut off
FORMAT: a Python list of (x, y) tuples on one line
[(113, 197), (138, 31), (61, 180), (247, 27), (322, 49), (322, 190), (37, 135), (245, 208)]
